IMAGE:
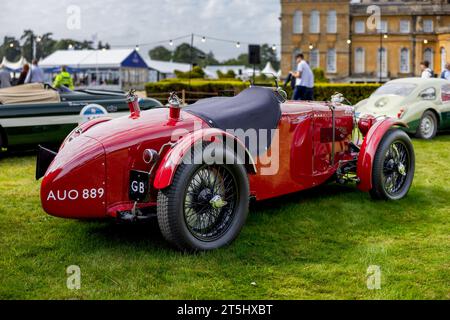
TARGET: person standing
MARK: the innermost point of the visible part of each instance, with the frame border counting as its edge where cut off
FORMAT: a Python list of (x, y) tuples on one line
[(5, 77), (446, 72), (35, 74), (427, 73), (290, 80), (304, 84), (23, 74), (63, 79)]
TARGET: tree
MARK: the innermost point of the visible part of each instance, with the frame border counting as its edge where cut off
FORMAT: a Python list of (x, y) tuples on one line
[(242, 59), (27, 47), (269, 55), (64, 44), (45, 46), (160, 53), (10, 49), (183, 53), (209, 60)]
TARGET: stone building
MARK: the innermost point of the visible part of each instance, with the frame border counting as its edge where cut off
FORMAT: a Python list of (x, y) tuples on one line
[(366, 40)]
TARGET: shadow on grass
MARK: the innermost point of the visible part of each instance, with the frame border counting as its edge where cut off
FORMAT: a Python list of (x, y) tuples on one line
[(321, 231)]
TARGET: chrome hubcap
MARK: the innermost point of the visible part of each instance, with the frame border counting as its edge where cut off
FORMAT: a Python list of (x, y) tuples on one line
[(217, 203), (427, 127)]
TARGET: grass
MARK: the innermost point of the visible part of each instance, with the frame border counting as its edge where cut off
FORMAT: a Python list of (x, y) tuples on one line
[(316, 244)]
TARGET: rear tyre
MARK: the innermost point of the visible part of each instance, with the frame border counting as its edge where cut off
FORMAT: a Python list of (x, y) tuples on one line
[(393, 166), (427, 126), (206, 205)]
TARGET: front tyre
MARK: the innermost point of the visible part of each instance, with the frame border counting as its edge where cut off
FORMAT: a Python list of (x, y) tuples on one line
[(427, 126), (206, 205), (393, 167)]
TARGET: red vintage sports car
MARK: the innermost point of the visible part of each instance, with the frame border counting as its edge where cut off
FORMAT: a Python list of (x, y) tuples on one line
[(196, 167)]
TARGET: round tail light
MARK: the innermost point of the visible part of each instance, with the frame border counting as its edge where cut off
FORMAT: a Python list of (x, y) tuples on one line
[(364, 124)]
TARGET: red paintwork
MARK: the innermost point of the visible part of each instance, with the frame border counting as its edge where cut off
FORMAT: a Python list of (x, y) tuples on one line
[(171, 160), (368, 150), (103, 155)]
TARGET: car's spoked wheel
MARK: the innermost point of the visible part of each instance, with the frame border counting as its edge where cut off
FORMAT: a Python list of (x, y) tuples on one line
[(210, 201), (396, 164), (428, 126), (393, 166), (206, 205)]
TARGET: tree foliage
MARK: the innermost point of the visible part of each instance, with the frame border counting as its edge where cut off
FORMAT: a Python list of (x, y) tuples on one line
[(160, 53)]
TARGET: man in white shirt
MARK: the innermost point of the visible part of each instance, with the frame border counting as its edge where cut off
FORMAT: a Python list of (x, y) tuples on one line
[(5, 77), (426, 71), (35, 74), (304, 85), (446, 72)]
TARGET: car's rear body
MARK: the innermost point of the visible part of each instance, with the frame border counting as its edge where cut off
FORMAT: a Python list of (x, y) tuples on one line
[(300, 157), (196, 168)]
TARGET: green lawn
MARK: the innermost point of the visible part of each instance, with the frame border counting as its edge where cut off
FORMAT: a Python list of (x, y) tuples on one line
[(311, 245)]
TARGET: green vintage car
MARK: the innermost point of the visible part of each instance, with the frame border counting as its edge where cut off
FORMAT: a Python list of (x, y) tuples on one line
[(423, 104), (35, 114)]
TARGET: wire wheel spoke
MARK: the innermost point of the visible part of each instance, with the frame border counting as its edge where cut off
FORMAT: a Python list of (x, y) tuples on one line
[(209, 202), (395, 167)]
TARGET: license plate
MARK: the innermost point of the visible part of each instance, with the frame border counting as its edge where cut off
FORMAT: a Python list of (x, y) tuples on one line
[(139, 186)]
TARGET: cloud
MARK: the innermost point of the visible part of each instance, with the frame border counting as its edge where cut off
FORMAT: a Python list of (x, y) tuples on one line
[(143, 21)]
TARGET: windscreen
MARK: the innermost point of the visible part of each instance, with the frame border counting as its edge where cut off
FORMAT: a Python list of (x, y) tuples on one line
[(398, 89)]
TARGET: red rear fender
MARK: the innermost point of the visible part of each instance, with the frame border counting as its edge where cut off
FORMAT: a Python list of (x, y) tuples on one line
[(172, 159)]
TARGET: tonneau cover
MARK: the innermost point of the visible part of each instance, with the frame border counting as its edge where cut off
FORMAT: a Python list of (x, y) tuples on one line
[(28, 93), (254, 108)]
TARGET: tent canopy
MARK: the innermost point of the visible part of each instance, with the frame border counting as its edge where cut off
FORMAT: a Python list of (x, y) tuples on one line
[(14, 66), (269, 70), (86, 59)]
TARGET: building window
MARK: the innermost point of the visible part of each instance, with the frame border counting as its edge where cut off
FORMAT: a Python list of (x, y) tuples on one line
[(360, 27), (331, 60), (314, 58), (332, 22), (360, 60), (428, 56), (404, 60), (298, 22), (443, 58), (314, 22), (382, 62), (427, 25), (383, 27), (405, 26)]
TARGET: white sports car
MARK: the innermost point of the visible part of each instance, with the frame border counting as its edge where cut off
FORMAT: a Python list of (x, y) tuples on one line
[(423, 104)]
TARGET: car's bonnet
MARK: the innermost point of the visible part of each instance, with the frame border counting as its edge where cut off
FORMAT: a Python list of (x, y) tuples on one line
[(152, 124), (379, 105)]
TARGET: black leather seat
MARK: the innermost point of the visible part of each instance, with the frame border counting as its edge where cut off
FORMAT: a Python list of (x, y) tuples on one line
[(254, 108)]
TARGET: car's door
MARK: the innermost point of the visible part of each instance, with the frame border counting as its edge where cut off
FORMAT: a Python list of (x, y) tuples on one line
[(445, 107)]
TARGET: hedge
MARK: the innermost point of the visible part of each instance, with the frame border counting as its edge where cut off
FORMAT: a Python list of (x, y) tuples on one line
[(353, 92), (204, 88)]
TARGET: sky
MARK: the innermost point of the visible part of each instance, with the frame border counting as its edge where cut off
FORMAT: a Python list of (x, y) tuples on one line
[(127, 23)]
